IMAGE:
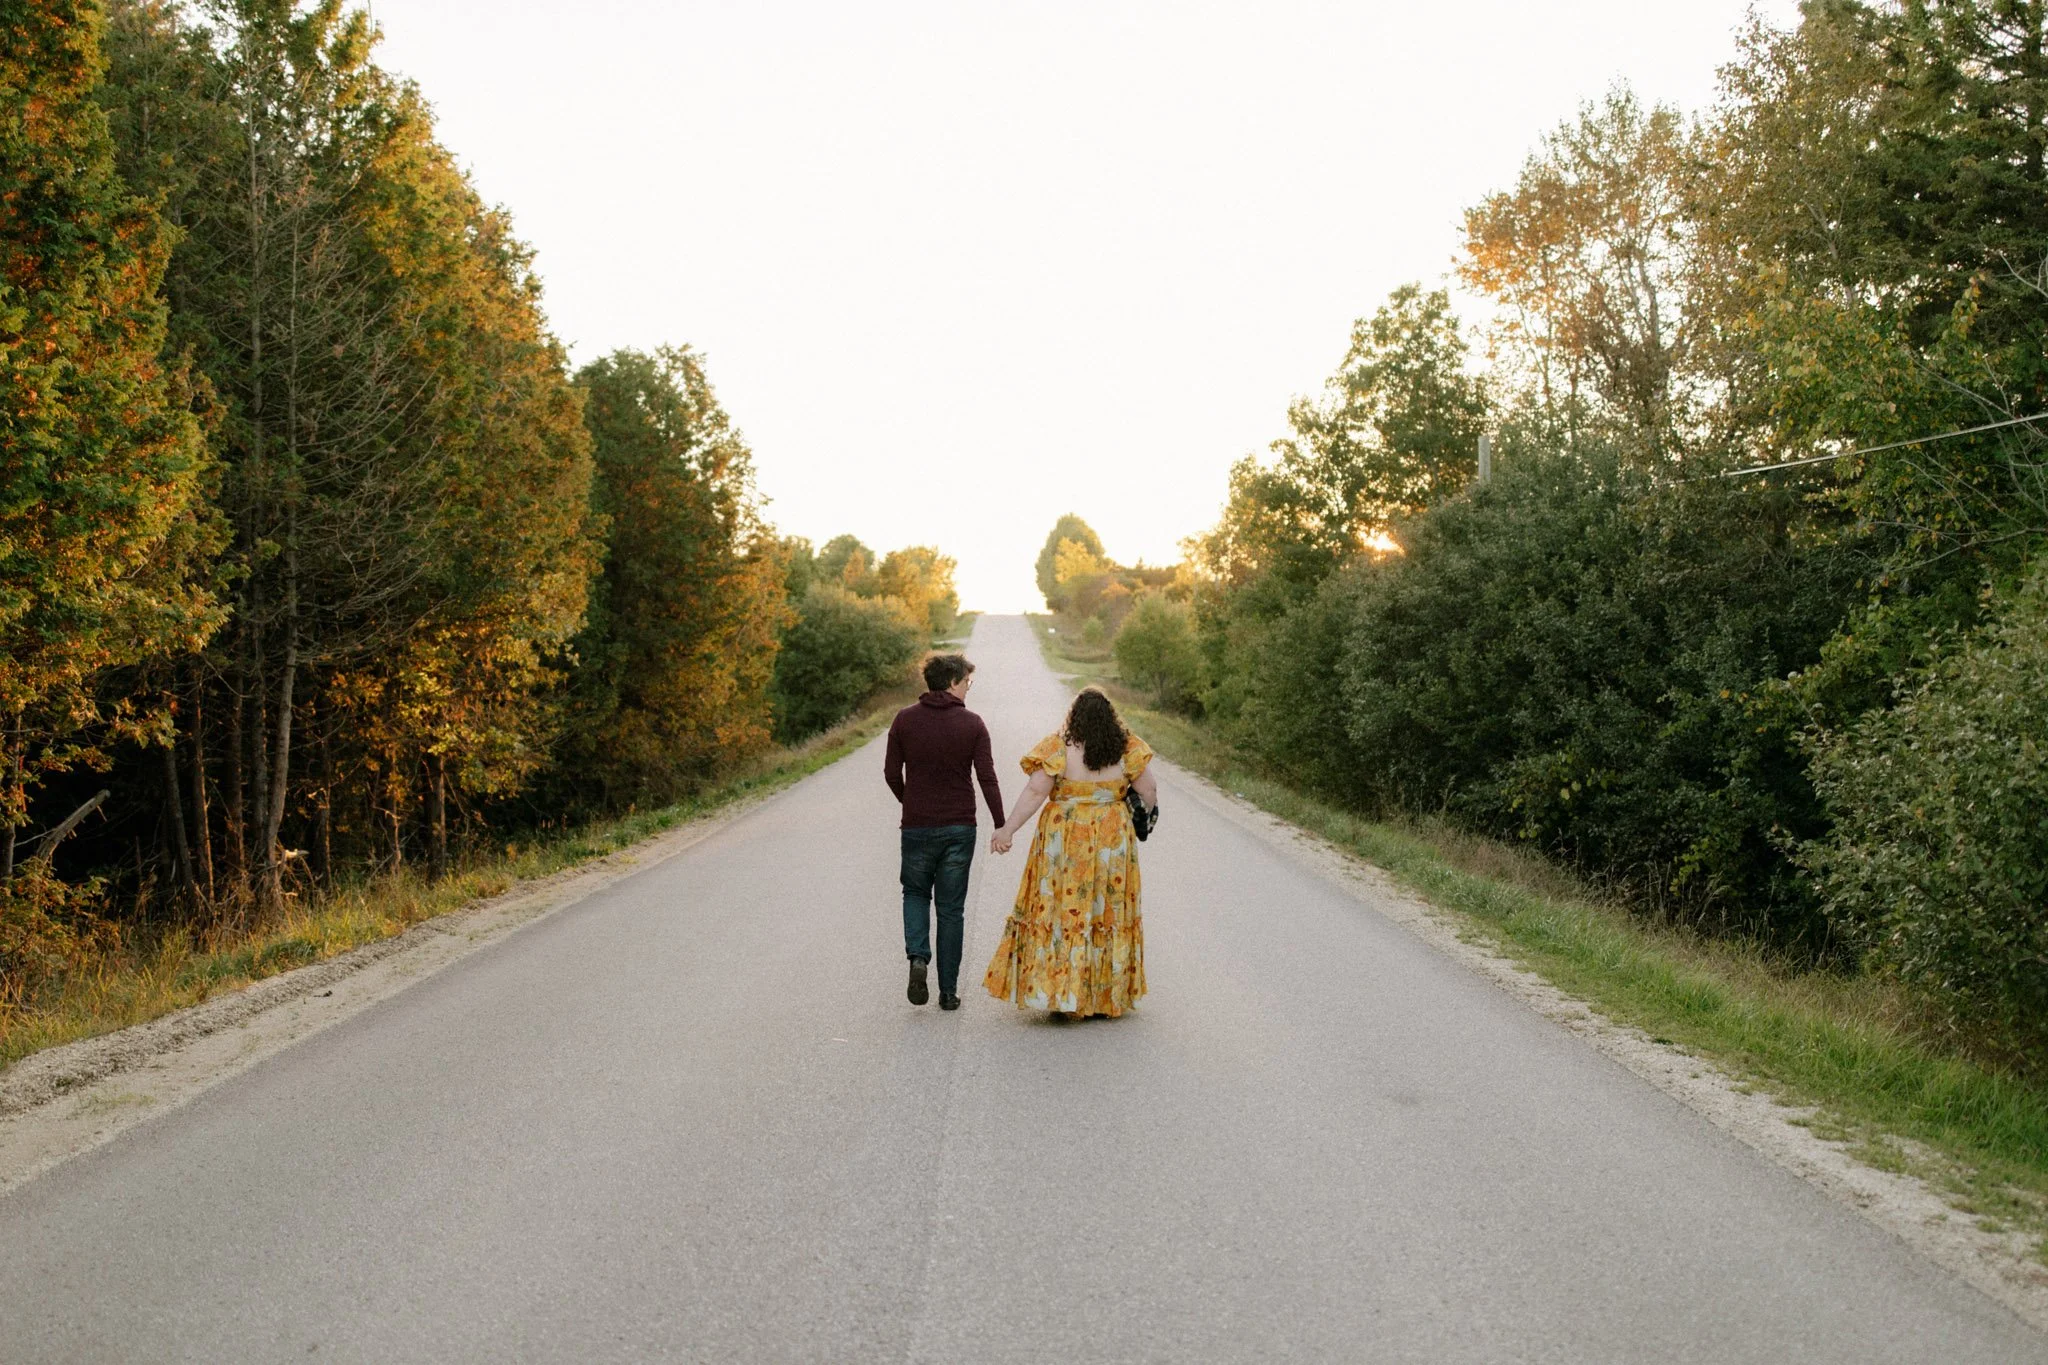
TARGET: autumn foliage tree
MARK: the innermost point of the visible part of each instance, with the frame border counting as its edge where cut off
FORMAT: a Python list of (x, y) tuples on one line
[(104, 472), (1588, 256), (1069, 528), (673, 666), (508, 550)]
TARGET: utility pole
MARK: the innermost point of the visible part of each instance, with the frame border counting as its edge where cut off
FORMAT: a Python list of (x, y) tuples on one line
[(1485, 457)]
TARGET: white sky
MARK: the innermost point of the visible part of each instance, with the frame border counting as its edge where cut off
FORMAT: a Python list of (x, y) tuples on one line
[(960, 267)]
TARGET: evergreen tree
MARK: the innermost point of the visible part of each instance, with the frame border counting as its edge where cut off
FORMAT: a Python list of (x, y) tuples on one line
[(512, 537), (676, 661)]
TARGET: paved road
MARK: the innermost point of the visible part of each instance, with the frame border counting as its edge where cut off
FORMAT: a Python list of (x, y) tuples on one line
[(692, 1118)]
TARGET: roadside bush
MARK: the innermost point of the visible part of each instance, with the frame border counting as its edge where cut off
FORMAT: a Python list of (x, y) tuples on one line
[(1589, 664), (46, 928), (1273, 685), (1157, 649), (1937, 865), (841, 650)]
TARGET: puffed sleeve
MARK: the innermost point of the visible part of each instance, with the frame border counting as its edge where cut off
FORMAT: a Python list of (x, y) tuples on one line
[(1049, 755), (1137, 754)]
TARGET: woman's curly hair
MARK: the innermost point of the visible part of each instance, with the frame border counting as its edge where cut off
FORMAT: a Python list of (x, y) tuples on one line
[(1092, 723)]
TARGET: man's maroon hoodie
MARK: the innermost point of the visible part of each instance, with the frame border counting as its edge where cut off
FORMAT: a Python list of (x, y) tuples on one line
[(932, 744)]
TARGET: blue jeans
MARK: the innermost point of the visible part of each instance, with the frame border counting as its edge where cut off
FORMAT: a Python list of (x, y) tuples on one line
[(935, 865)]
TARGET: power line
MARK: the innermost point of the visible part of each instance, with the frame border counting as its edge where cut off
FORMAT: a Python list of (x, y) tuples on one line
[(1874, 450)]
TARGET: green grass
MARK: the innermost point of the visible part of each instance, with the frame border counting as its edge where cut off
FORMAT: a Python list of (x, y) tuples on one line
[(1850, 1046), (1077, 662), (131, 982)]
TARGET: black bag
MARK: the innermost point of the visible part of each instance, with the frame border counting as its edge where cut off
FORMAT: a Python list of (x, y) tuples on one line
[(1143, 820)]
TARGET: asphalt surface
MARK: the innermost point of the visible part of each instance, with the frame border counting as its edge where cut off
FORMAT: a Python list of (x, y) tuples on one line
[(693, 1118)]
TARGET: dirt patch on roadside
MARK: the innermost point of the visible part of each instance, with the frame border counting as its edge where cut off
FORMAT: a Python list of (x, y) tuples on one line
[(2000, 1265), (69, 1099)]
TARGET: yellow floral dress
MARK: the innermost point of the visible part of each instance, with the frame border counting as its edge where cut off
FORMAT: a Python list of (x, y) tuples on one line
[(1075, 942)]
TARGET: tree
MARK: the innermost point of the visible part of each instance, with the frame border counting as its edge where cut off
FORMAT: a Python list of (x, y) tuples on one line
[(102, 486), (506, 583), (799, 566), (1396, 428), (1073, 562), (1937, 865), (676, 661), (1068, 527), (1157, 649), (846, 561), (293, 318), (841, 649), (1873, 191), (404, 467), (1579, 658), (1589, 255), (922, 579)]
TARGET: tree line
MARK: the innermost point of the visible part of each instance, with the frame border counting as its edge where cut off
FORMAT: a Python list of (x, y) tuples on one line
[(315, 556), (1809, 705)]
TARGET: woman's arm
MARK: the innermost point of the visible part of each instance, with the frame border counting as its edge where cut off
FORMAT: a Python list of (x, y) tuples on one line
[(1147, 787), (1028, 801)]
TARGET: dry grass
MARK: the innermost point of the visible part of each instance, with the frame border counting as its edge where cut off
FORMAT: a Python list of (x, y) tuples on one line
[(1851, 997), (122, 980)]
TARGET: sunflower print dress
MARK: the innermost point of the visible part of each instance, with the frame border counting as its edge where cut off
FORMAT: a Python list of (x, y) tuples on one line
[(1076, 942)]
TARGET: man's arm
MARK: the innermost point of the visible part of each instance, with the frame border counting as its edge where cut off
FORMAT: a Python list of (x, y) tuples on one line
[(985, 769), (892, 762)]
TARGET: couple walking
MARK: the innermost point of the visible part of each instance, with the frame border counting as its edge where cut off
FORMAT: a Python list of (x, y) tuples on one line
[(1074, 944)]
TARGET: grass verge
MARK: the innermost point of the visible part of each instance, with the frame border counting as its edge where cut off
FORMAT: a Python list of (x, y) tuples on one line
[(1847, 1046), (141, 979)]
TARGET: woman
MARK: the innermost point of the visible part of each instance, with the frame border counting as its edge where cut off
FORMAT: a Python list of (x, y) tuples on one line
[(1075, 943)]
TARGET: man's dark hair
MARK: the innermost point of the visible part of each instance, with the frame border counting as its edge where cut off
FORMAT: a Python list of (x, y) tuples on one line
[(1092, 723), (941, 671)]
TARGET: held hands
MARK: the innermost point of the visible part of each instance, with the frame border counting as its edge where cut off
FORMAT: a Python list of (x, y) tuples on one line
[(999, 842)]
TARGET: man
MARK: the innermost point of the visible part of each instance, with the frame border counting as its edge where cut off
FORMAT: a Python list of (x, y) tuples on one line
[(932, 746)]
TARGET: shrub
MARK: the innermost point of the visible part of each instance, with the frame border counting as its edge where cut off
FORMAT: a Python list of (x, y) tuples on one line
[(1574, 658), (1937, 865), (841, 650), (46, 928), (1157, 649), (1283, 700)]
